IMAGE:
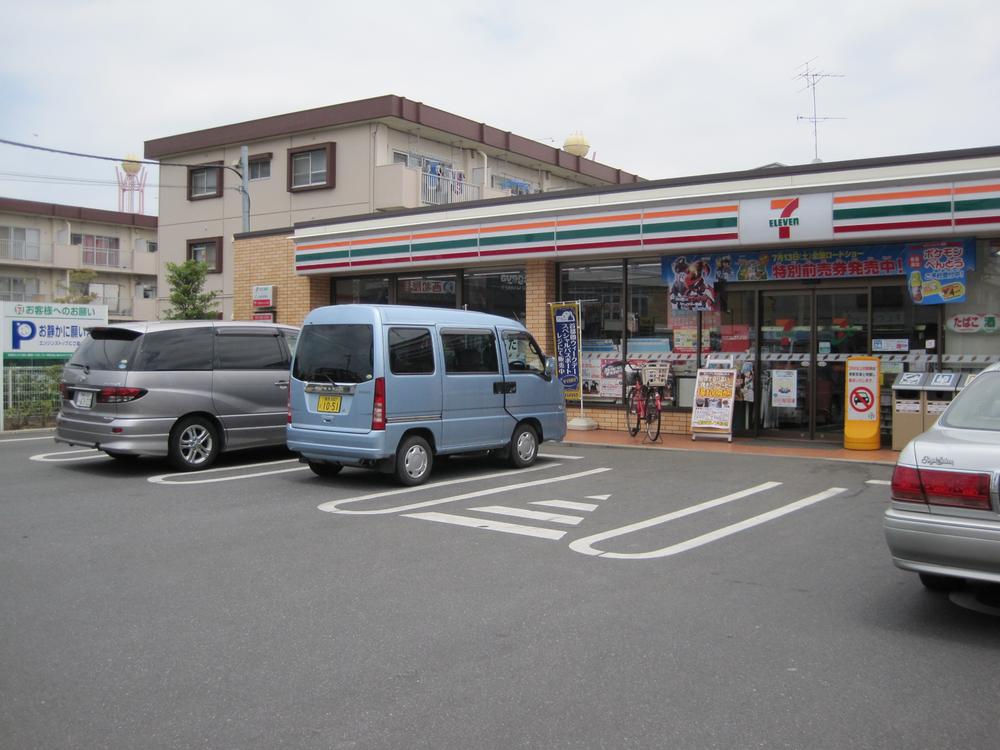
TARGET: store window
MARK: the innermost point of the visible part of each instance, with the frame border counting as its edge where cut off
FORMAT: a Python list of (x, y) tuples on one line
[(371, 290), (598, 286), (430, 290), (500, 292)]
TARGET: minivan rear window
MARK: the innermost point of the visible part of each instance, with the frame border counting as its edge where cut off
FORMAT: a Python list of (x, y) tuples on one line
[(334, 353), (106, 349)]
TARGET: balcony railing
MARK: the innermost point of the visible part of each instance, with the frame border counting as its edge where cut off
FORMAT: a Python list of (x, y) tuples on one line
[(437, 191), (21, 250)]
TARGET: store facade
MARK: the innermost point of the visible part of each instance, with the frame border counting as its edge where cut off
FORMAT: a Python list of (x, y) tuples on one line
[(783, 272)]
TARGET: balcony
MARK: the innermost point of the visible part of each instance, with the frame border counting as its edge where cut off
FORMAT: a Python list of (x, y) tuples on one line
[(398, 186), (102, 259), (436, 190)]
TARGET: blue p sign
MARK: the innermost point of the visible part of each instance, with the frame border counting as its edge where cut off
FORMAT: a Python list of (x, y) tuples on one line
[(21, 330)]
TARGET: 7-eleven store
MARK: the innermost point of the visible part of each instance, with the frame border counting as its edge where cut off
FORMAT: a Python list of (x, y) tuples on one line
[(804, 267)]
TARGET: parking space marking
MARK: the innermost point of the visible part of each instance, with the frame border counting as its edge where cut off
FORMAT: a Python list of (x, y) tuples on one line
[(879, 481), (532, 515), (598, 497), (334, 505), (559, 455), (584, 546), (92, 453), (167, 478), (567, 504), (22, 440), (479, 523)]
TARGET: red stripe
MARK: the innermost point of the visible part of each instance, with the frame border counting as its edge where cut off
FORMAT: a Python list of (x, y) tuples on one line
[(690, 238), (379, 261), (589, 245), (520, 250), (979, 220), (896, 225)]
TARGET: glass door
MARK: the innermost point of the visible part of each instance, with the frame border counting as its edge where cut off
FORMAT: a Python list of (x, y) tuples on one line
[(786, 345), (841, 331)]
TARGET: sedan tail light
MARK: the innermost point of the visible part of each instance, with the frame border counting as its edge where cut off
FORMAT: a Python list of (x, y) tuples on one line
[(119, 395), (958, 489)]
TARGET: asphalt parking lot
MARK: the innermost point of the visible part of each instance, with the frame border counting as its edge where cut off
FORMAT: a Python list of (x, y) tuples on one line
[(604, 598)]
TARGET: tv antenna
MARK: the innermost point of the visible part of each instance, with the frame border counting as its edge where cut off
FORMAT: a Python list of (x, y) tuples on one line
[(812, 77)]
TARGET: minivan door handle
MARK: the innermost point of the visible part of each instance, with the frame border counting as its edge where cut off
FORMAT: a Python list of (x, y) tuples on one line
[(281, 383), (505, 387)]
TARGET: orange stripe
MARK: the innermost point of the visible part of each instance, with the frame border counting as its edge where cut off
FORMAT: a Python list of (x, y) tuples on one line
[(379, 240), (692, 211), (977, 189), (345, 243), (779, 203), (892, 196), (443, 233), (512, 227), (599, 219)]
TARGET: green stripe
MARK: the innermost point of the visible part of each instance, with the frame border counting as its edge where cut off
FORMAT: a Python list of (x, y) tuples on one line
[(444, 245), (573, 234), (301, 256), (687, 226), (512, 239), (361, 252), (981, 204), (910, 209)]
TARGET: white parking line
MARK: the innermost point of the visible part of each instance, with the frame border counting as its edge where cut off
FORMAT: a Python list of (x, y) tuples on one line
[(533, 515), (584, 545), (167, 478), (879, 481), (334, 506), (567, 504), (559, 455), (91, 455), (478, 523)]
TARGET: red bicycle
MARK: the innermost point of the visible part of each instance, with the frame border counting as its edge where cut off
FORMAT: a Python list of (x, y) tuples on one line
[(643, 399)]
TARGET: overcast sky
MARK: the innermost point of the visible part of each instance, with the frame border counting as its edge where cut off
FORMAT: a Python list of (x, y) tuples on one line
[(661, 89)]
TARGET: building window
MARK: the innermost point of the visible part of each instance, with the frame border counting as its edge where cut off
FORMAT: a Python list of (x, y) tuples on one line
[(260, 166), (13, 289), (97, 250), (431, 290), (106, 294), (208, 251), (151, 247), (17, 243), (496, 291), (204, 182), (312, 167)]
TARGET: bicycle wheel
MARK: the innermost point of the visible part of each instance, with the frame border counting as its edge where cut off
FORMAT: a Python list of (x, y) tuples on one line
[(652, 418), (632, 411)]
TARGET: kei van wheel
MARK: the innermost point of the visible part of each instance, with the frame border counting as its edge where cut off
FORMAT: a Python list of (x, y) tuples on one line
[(413, 461), (194, 444), (523, 447)]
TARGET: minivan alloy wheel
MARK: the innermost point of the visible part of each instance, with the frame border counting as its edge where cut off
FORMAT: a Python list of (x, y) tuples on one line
[(194, 444)]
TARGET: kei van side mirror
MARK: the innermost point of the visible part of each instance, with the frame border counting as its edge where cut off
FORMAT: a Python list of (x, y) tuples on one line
[(550, 366)]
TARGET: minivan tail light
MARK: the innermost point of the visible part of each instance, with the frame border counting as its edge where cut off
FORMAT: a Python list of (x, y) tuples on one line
[(378, 405), (956, 488), (119, 395), (906, 485)]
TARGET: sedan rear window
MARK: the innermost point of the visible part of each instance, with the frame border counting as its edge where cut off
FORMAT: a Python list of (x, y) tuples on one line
[(977, 407), (106, 349), (339, 353)]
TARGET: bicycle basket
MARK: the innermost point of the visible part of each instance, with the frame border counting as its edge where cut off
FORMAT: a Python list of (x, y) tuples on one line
[(655, 375)]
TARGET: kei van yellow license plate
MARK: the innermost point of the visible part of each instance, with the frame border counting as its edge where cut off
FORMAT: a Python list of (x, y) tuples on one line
[(329, 404)]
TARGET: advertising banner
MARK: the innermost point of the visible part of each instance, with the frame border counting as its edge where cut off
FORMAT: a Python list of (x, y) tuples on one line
[(51, 329), (784, 388), (565, 331), (862, 419), (714, 394), (939, 266)]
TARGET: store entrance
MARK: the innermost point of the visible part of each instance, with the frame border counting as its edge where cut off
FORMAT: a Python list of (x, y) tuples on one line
[(806, 337)]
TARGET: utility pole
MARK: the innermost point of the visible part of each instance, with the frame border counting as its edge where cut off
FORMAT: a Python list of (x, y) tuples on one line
[(812, 79), (245, 175)]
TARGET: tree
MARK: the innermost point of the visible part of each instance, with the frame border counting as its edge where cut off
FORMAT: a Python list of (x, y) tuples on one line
[(188, 299), (78, 288)]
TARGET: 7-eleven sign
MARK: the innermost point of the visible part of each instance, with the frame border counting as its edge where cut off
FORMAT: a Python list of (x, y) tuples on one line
[(786, 219), (799, 218)]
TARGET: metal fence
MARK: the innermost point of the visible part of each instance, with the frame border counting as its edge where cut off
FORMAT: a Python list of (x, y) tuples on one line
[(30, 396)]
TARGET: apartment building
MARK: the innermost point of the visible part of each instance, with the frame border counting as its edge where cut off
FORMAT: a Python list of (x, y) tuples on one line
[(41, 244), (363, 157)]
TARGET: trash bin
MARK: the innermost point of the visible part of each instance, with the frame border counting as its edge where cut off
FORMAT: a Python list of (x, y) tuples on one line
[(939, 390), (907, 408)]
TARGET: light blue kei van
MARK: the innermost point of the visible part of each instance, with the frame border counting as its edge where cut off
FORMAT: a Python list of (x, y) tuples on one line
[(390, 388)]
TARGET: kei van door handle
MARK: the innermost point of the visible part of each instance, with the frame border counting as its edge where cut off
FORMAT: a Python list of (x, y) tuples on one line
[(505, 387)]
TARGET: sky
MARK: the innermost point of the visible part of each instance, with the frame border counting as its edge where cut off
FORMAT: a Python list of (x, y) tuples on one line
[(661, 89)]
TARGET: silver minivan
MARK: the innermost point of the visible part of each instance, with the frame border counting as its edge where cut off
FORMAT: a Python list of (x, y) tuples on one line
[(391, 387), (187, 390)]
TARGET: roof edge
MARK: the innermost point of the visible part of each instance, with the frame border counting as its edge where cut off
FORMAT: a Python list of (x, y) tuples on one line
[(79, 213)]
